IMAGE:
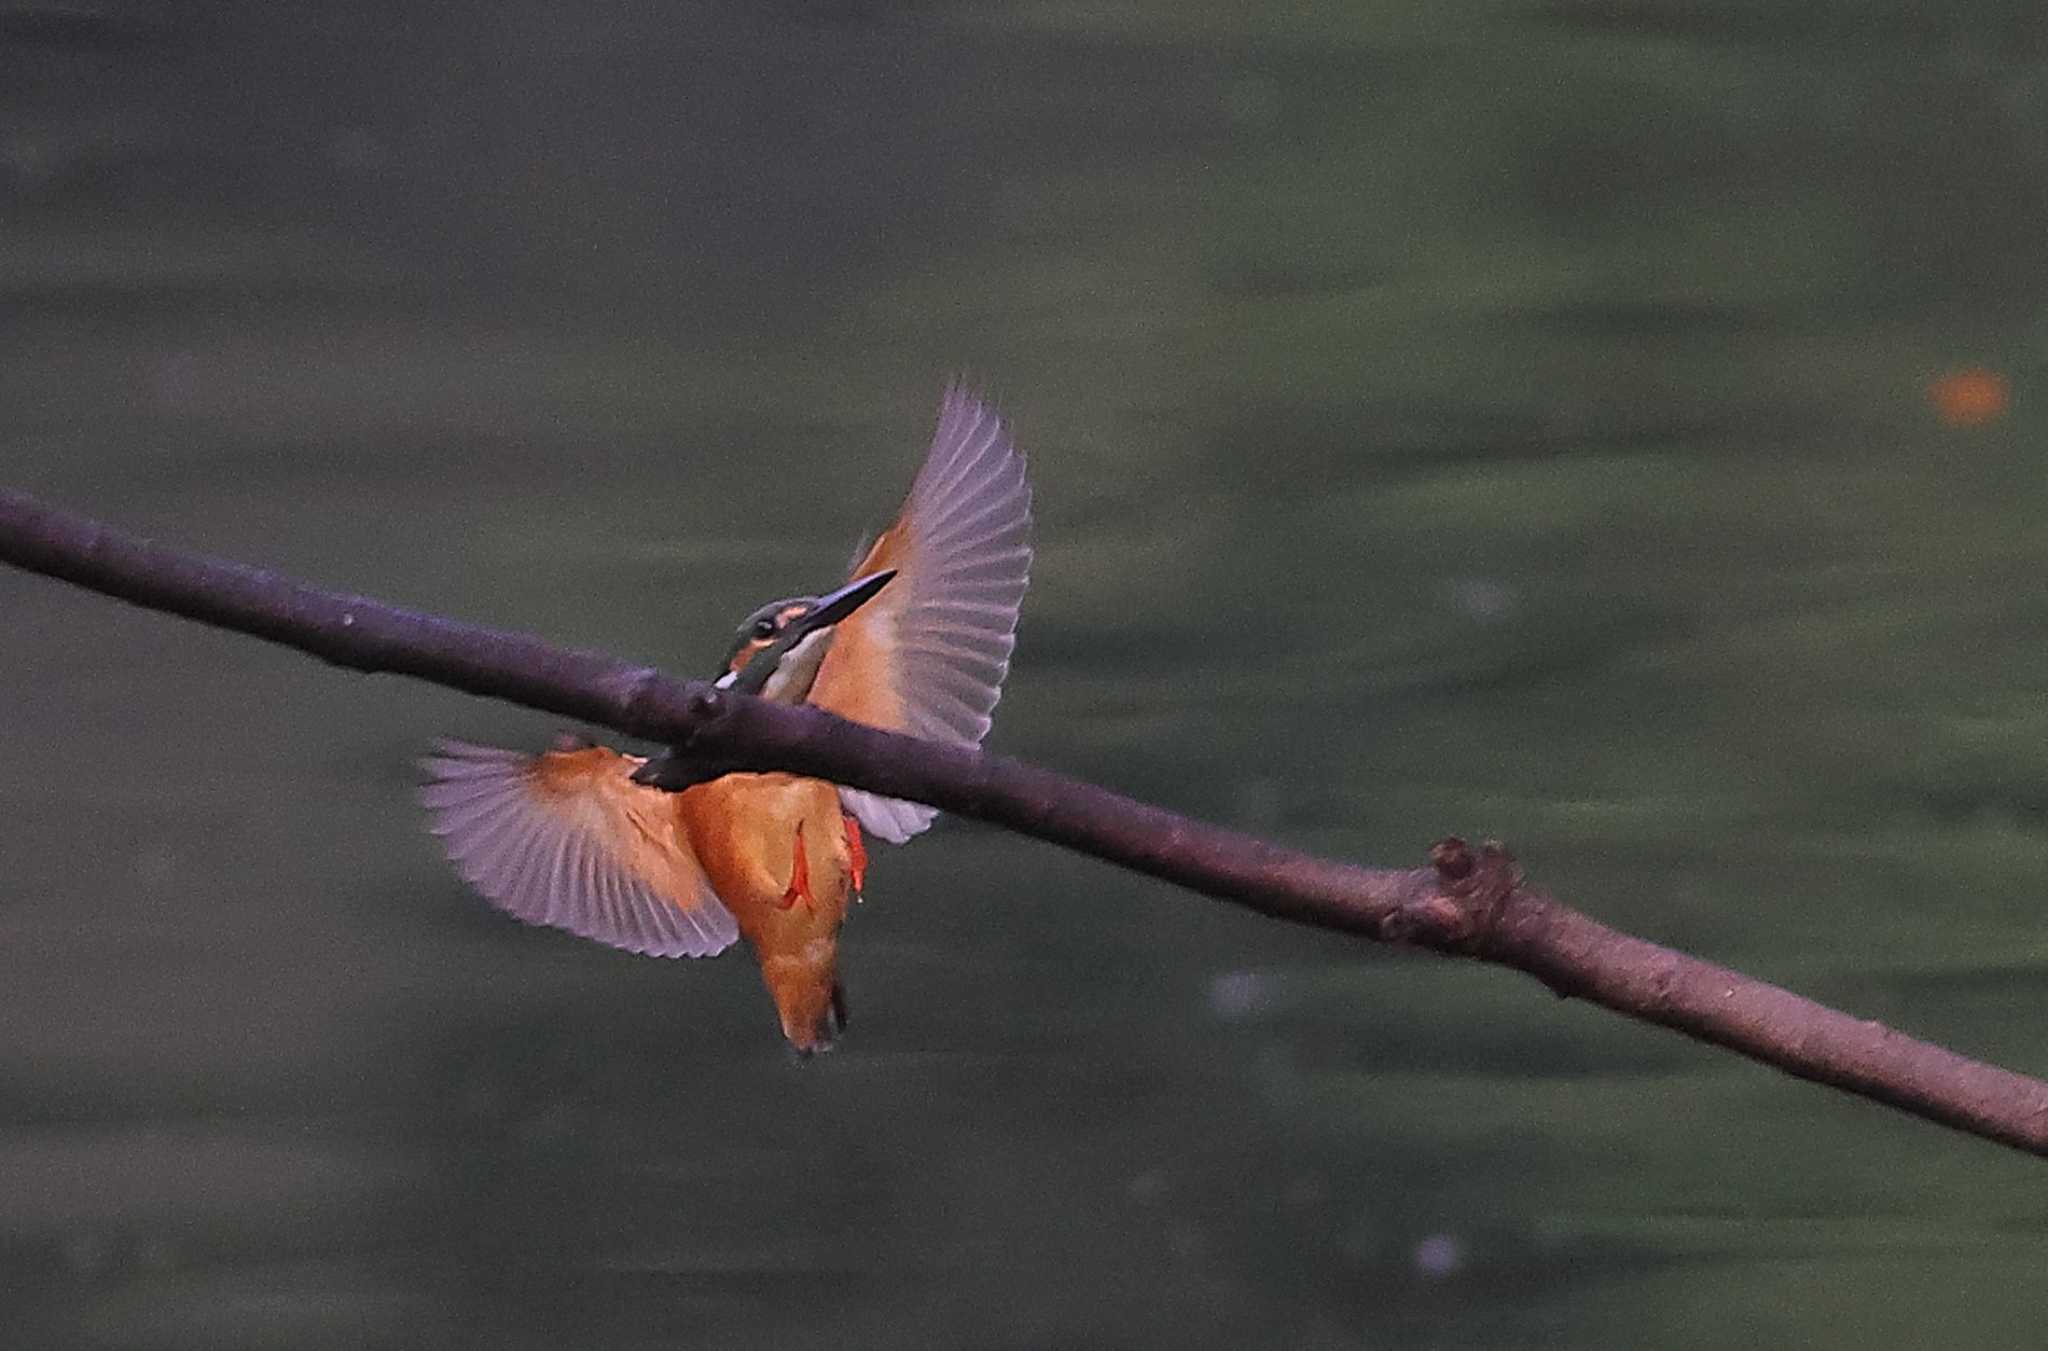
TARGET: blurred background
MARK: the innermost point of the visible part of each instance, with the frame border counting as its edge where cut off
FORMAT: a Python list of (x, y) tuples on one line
[(1611, 425)]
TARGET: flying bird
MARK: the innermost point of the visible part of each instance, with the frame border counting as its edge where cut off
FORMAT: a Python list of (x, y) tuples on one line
[(918, 641)]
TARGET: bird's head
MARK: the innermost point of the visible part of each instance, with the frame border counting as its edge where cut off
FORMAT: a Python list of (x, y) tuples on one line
[(779, 647)]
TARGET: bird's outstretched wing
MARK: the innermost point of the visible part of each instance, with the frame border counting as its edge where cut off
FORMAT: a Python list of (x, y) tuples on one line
[(567, 839), (927, 656)]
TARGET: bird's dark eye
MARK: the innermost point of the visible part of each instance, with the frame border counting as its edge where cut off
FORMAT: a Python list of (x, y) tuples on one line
[(764, 629)]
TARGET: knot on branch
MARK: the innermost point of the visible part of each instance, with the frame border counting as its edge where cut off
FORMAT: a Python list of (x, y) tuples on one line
[(689, 760), (1463, 896), (704, 702)]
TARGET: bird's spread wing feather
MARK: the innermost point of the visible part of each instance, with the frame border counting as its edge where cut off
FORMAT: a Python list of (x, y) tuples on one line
[(927, 656), (567, 839)]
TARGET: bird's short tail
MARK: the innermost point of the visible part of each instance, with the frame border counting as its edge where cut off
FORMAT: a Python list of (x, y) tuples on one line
[(810, 999), (831, 1022)]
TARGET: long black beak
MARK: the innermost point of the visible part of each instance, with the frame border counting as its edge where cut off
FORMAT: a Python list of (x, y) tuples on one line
[(843, 602), (827, 612)]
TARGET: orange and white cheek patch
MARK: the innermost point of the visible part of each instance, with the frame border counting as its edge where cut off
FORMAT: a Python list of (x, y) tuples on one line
[(740, 660)]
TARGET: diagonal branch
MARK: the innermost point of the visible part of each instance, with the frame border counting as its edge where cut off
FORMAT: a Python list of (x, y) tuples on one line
[(1465, 902)]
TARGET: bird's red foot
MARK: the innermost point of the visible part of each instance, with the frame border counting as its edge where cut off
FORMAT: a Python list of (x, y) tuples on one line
[(799, 888), (856, 853)]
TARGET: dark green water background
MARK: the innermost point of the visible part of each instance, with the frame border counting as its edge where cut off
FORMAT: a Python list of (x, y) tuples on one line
[(1494, 417)]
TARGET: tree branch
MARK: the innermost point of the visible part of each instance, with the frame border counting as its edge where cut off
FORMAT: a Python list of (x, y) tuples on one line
[(1465, 902)]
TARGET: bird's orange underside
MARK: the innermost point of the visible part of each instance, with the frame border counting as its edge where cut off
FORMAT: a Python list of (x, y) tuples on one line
[(768, 841)]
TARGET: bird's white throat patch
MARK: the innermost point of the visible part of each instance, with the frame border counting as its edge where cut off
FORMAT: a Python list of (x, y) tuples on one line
[(791, 681)]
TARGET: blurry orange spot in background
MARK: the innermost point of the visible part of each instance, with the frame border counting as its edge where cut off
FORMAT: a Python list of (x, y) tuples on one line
[(1970, 396)]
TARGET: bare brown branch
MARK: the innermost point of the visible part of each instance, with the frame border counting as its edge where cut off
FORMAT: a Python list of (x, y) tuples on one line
[(1465, 902)]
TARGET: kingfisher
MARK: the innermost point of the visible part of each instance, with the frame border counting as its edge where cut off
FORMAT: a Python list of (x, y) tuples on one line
[(917, 641)]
